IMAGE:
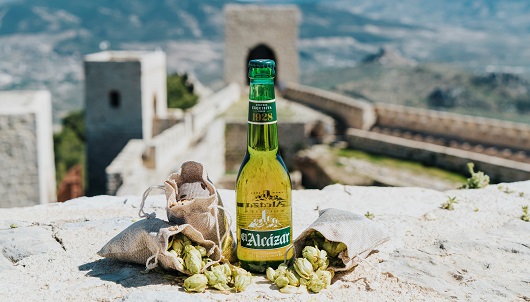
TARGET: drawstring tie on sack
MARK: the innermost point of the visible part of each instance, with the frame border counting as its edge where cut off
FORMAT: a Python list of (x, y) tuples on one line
[(143, 214), (215, 208)]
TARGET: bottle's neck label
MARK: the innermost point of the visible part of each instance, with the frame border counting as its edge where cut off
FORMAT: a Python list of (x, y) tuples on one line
[(262, 112)]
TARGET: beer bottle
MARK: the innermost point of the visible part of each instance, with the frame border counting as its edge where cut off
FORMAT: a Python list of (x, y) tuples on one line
[(263, 187)]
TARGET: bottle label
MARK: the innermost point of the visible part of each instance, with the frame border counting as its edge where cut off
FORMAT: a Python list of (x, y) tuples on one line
[(262, 112), (265, 240), (264, 221)]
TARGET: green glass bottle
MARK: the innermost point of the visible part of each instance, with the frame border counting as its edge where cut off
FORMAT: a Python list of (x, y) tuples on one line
[(263, 187)]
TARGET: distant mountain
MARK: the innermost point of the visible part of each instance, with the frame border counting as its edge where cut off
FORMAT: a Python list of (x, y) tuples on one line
[(42, 42), (365, 21), (432, 86)]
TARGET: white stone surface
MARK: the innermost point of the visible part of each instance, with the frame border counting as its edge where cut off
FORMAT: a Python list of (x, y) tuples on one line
[(26, 148), (434, 254)]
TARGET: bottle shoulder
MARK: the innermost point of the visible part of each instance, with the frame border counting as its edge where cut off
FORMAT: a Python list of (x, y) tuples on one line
[(265, 166)]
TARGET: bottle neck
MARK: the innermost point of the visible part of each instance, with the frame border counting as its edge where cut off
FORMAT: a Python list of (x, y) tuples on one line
[(262, 133)]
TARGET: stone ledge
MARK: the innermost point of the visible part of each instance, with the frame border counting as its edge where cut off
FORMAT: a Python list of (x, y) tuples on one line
[(434, 254)]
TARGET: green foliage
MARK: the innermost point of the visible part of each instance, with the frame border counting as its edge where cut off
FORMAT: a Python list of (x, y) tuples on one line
[(69, 145), (477, 180), (448, 205), (506, 189), (526, 216), (180, 92), (369, 215)]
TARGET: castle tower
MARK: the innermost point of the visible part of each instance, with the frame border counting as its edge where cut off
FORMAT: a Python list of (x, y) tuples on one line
[(26, 149), (261, 32), (124, 92)]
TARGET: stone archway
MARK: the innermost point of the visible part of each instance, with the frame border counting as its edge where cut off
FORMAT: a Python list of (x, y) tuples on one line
[(262, 31), (261, 51)]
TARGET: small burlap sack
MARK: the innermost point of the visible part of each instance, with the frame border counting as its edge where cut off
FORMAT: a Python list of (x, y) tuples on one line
[(168, 261), (359, 234), (132, 244), (193, 207), (192, 199)]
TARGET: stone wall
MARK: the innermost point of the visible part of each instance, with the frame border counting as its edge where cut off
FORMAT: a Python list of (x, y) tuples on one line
[(26, 149), (248, 26), (457, 126), (361, 115), (499, 169), (349, 112)]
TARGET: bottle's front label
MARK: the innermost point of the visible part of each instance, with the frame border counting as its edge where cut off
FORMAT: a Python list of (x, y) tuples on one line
[(262, 112), (264, 222)]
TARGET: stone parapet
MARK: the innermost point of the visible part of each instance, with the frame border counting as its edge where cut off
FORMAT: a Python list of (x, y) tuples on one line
[(477, 252), (499, 169), (457, 126), (127, 169), (350, 112)]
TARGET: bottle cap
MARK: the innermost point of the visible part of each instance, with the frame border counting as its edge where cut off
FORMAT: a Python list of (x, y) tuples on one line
[(261, 68)]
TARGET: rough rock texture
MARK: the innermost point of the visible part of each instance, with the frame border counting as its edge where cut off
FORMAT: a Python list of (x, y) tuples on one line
[(478, 252)]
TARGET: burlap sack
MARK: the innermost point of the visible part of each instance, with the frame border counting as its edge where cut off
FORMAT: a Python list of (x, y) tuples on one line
[(132, 244), (167, 260), (359, 234), (192, 199), (193, 207)]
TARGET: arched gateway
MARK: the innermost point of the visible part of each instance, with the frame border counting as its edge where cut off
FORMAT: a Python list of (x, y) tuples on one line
[(260, 32), (261, 51)]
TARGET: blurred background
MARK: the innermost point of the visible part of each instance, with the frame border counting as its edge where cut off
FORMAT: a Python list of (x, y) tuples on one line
[(109, 97)]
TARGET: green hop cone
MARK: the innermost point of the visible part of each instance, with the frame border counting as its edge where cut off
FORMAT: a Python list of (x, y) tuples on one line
[(192, 259), (242, 281), (185, 240), (323, 261), (196, 283), (312, 255), (282, 268), (333, 248), (237, 270), (315, 284), (303, 267), (293, 279), (174, 253), (217, 278), (201, 250), (282, 281), (271, 274), (225, 268), (325, 276), (178, 244), (303, 281), (289, 289)]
